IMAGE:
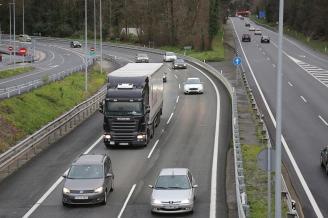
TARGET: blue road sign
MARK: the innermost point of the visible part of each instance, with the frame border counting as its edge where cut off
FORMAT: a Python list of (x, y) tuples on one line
[(236, 61)]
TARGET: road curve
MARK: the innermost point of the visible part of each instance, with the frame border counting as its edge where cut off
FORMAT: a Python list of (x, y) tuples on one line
[(185, 140)]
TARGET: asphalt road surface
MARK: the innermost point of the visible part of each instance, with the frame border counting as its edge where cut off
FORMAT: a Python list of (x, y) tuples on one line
[(57, 58), (184, 140), (305, 108)]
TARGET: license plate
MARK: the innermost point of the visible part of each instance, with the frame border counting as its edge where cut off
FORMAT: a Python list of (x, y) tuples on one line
[(171, 207), (124, 143), (81, 197)]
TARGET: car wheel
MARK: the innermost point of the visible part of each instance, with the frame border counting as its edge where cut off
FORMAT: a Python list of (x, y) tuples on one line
[(65, 204), (327, 168), (321, 161), (112, 187), (105, 198)]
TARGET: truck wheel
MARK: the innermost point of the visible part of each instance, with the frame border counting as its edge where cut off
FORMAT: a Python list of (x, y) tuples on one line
[(152, 131)]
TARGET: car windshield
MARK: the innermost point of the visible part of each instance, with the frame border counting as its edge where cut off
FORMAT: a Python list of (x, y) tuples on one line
[(142, 55), (193, 81), (180, 61), (172, 182), (86, 172), (123, 108), (170, 54)]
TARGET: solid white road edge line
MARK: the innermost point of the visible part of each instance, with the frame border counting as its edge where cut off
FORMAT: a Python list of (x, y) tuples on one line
[(152, 150), (59, 180), (168, 121), (126, 201), (323, 120), (303, 99), (215, 149), (289, 153)]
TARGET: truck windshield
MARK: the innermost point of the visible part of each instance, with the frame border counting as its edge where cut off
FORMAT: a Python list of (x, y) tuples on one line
[(123, 108)]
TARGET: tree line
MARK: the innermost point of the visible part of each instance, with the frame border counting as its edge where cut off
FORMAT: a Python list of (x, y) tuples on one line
[(162, 22), (307, 17)]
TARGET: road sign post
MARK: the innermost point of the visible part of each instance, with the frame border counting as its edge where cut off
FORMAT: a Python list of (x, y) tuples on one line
[(236, 61)]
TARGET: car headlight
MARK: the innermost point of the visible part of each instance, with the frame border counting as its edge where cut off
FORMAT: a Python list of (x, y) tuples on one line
[(141, 136), (175, 65), (187, 201), (155, 201), (184, 65), (99, 190), (107, 136), (66, 190)]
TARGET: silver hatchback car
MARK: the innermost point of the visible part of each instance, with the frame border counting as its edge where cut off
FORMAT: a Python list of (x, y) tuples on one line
[(174, 191)]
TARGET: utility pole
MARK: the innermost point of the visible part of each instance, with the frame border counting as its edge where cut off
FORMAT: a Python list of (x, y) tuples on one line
[(86, 43), (100, 35), (279, 114)]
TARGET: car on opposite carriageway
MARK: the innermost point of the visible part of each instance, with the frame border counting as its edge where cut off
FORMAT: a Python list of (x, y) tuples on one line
[(324, 158)]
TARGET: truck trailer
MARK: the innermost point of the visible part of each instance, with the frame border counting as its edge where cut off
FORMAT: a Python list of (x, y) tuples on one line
[(133, 104)]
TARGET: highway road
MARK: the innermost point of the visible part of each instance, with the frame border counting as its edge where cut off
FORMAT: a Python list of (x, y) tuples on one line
[(184, 138), (305, 108), (57, 58)]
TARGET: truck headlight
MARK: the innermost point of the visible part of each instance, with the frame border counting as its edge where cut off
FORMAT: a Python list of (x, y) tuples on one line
[(99, 190), (141, 136), (66, 190), (107, 136)]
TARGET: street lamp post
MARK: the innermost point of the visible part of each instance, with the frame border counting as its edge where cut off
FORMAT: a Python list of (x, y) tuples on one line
[(94, 23), (86, 43), (14, 15), (0, 30), (23, 17), (100, 35), (10, 28), (279, 114)]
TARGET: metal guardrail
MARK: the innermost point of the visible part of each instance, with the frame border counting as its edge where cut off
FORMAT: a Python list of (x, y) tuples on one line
[(266, 140), (29, 147), (28, 86)]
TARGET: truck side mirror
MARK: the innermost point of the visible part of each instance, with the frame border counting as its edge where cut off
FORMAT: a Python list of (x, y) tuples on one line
[(101, 106), (147, 109)]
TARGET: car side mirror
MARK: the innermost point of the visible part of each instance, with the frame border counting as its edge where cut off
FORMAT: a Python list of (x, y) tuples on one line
[(151, 186), (195, 186), (101, 107), (64, 175), (109, 175)]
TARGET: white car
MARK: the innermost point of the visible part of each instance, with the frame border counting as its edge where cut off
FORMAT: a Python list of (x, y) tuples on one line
[(258, 32), (169, 57), (193, 85), (251, 28), (24, 38)]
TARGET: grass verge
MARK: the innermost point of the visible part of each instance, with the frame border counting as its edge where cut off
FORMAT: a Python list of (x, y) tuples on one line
[(216, 54), (256, 179), (17, 71), (24, 114), (318, 45)]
